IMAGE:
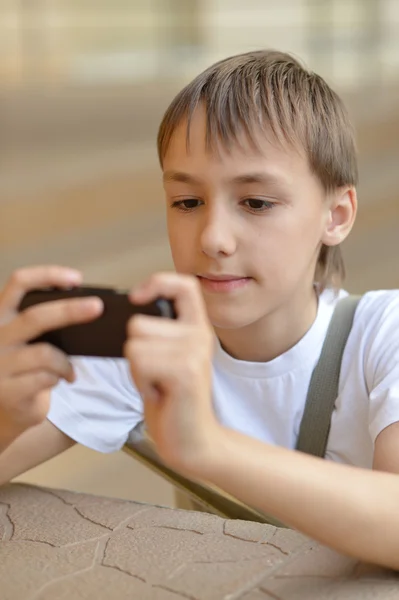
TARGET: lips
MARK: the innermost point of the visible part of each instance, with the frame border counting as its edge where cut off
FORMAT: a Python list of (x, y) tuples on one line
[(221, 277), (223, 283)]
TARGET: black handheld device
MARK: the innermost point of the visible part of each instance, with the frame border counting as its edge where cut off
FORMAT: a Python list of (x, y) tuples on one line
[(106, 335)]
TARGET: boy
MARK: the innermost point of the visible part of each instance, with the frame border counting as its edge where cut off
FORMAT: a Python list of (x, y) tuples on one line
[(259, 168)]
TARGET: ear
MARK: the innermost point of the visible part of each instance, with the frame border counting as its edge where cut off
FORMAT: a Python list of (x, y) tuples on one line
[(341, 216)]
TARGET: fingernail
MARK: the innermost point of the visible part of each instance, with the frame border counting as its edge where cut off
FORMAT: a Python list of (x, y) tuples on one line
[(136, 292), (74, 277), (70, 378), (91, 303)]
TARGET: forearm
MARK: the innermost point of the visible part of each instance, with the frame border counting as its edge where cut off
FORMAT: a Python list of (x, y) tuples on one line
[(351, 510), (33, 447), (6, 438)]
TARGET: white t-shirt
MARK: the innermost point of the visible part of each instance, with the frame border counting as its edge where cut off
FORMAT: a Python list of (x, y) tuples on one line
[(264, 400)]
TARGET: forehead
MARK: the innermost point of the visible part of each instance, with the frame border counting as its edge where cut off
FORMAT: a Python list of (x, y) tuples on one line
[(188, 149)]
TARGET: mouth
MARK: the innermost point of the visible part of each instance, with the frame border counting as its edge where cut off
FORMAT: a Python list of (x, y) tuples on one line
[(223, 283)]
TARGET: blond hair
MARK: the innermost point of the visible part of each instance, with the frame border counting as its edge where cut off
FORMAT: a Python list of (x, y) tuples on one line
[(272, 92)]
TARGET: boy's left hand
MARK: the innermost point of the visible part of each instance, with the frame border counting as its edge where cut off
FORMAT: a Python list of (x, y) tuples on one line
[(171, 364)]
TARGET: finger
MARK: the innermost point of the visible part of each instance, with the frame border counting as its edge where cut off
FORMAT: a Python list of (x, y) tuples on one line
[(163, 367), (49, 316), (144, 387), (36, 357), (23, 280), (148, 368), (147, 390), (142, 325), (19, 389), (184, 290)]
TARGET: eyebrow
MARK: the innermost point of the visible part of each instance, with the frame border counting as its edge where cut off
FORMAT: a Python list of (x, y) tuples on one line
[(245, 178), (269, 178), (180, 177)]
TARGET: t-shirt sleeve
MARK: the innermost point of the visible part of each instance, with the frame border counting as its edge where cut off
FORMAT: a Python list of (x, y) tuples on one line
[(101, 407), (382, 363)]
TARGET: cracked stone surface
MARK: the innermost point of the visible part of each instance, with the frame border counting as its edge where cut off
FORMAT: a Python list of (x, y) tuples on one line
[(60, 545)]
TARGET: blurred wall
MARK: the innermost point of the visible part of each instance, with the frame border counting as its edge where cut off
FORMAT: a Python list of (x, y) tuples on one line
[(83, 86), (83, 42)]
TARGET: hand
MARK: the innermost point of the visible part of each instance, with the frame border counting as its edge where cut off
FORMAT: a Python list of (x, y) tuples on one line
[(171, 364), (26, 371)]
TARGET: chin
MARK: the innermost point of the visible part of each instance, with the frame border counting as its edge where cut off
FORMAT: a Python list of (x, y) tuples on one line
[(225, 318)]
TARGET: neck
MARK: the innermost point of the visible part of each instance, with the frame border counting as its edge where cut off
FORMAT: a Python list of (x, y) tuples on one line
[(275, 333)]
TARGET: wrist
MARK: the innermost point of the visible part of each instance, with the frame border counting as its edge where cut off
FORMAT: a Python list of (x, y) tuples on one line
[(213, 455)]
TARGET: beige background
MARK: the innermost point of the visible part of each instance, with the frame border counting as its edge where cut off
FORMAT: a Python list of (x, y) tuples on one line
[(82, 93)]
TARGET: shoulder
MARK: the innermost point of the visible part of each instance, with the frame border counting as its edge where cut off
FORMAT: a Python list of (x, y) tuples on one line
[(377, 314), (375, 333), (374, 305), (373, 340), (378, 324), (379, 304)]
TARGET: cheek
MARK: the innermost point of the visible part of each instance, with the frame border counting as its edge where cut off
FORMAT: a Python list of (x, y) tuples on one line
[(181, 246), (284, 248), (300, 229)]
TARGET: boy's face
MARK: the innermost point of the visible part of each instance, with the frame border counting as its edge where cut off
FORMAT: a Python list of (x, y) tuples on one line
[(247, 223)]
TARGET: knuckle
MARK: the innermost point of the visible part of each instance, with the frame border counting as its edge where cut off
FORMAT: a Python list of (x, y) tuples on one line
[(45, 353), (192, 283), (155, 279), (135, 325), (160, 278), (18, 277), (129, 349), (28, 317), (31, 317), (44, 379)]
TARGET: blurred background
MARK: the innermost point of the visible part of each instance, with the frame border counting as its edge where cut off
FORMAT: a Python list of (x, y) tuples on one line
[(83, 85)]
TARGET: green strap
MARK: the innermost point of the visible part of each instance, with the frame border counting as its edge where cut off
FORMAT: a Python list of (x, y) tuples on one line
[(211, 500), (323, 389)]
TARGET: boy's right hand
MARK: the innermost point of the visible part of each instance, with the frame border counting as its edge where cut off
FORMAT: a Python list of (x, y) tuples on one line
[(28, 370)]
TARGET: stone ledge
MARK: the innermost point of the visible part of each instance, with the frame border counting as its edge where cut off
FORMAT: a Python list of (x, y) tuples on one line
[(58, 544)]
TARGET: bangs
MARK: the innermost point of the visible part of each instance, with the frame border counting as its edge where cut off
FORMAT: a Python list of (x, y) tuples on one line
[(241, 104)]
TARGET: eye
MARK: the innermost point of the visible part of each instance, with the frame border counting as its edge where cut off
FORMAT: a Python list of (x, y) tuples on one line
[(258, 204), (186, 205)]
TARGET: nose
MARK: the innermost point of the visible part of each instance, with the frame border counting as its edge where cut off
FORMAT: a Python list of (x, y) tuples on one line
[(217, 235)]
